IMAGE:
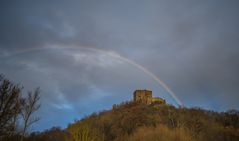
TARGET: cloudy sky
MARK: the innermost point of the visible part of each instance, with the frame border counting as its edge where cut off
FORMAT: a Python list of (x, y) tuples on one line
[(82, 54)]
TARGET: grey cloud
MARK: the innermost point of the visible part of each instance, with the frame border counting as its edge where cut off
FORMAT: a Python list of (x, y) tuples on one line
[(73, 84), (191, 45)]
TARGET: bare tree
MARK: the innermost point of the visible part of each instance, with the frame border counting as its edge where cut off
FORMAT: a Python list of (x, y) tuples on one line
[(10, 106), (30, 106)]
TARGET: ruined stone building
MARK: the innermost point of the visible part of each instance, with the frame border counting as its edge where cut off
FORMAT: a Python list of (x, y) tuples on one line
[(143, 96), (146, 97)]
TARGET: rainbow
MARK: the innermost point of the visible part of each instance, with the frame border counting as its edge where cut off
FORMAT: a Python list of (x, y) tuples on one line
[(113, 55)]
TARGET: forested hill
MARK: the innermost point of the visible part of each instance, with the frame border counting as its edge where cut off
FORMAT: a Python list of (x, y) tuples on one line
[(132, 121)]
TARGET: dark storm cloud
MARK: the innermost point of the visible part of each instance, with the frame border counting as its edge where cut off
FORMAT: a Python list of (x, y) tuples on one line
[(73, 79), (39, 23), (190, 45)]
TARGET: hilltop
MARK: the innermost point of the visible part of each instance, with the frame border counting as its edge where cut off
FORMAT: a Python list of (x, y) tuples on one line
[(134, 121)]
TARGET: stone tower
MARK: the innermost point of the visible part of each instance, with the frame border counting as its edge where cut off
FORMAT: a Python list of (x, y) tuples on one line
[(143, 96)]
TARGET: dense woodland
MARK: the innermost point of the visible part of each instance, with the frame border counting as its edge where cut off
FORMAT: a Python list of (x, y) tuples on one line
[(131, 121)]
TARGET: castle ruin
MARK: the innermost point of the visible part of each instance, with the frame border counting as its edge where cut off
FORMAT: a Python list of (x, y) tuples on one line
[(146, 97)]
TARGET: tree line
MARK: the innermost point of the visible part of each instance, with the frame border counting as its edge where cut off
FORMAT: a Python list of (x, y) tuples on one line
[(131, 121)]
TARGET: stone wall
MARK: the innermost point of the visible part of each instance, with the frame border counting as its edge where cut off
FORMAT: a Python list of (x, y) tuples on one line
[(158, 100)]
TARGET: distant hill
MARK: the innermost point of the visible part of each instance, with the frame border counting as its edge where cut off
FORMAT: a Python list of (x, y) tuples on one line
[(132, 121)]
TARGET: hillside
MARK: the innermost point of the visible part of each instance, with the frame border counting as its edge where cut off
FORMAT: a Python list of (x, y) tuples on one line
[(131, 121)]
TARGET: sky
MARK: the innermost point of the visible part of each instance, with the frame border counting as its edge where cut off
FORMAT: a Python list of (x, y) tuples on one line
[(87, 55)]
